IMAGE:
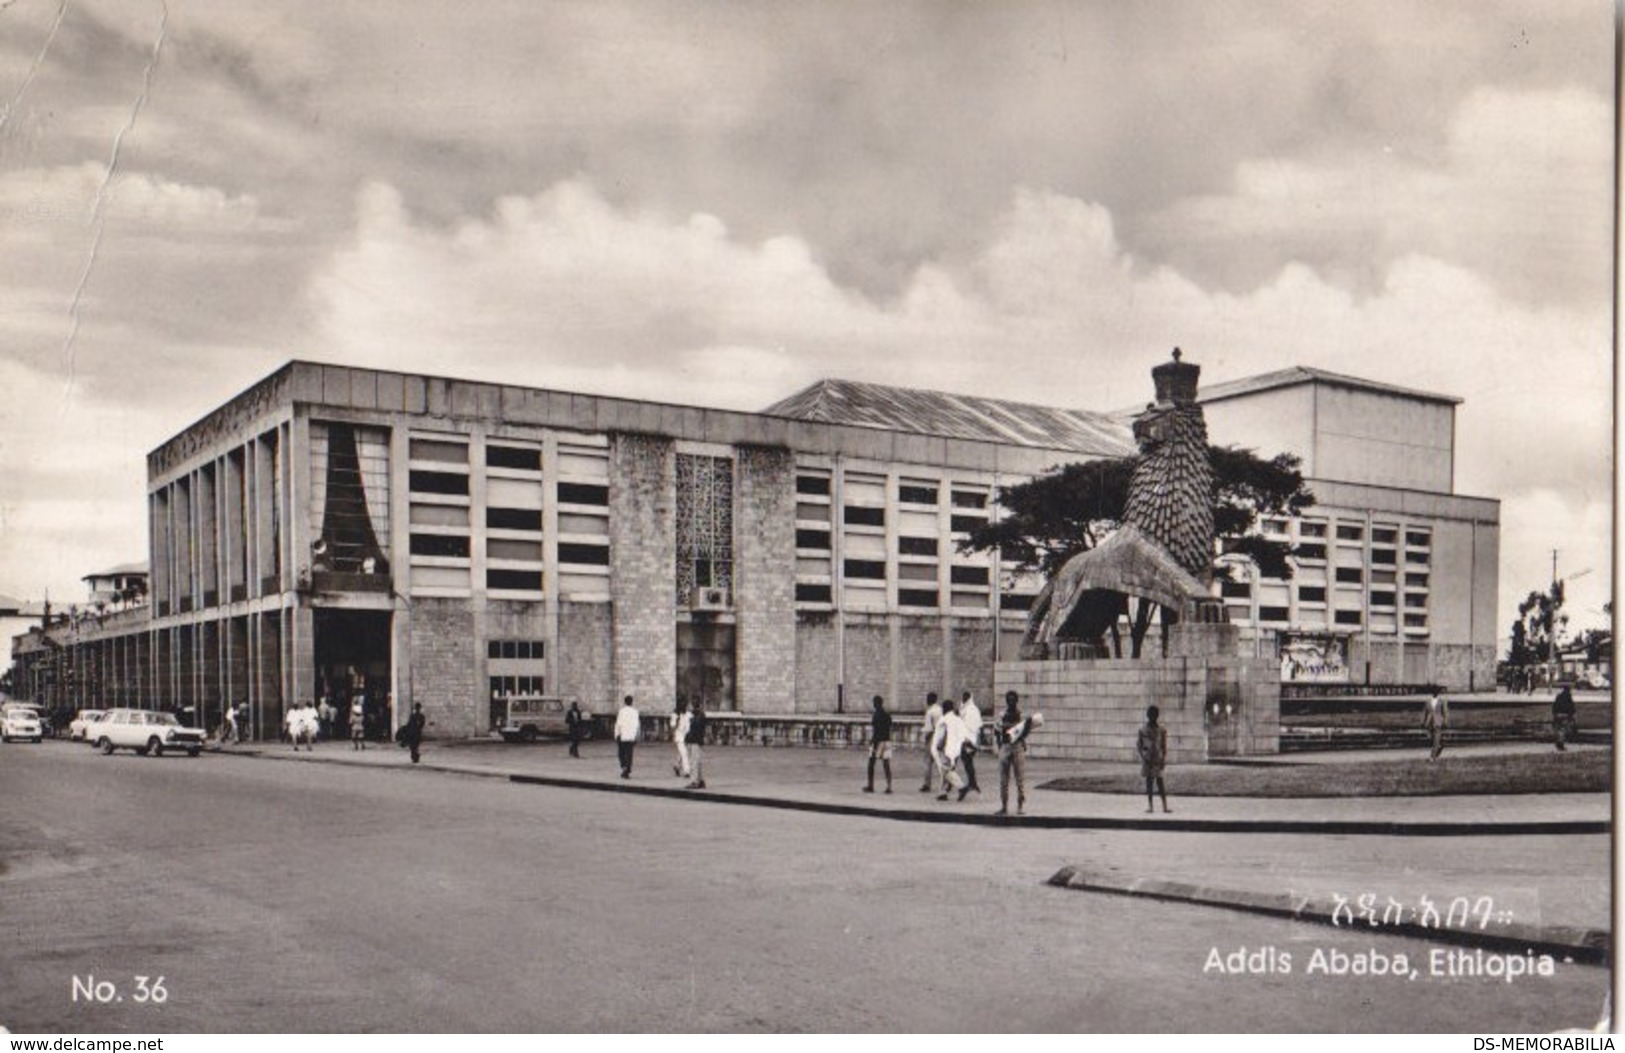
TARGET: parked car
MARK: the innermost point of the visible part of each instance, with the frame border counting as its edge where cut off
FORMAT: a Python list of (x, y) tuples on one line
[(18, 721), (529, 717), (79, 727), (145, 731)]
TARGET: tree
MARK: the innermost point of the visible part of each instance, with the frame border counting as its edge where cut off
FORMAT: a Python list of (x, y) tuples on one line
[(1052, 517), (1540, 620)]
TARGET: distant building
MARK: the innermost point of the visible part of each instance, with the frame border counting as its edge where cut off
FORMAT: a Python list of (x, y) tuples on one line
[(408, 538), (1397, 575), (122, 586)]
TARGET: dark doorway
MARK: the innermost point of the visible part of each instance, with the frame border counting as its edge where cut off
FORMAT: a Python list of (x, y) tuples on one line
[(352, 662), (705, 663)]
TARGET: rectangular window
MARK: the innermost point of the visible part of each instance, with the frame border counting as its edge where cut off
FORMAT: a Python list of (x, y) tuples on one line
[(916, 572), (439, 515), (1416, 581), (1416, 621), (968, 575), (1383, 556), (1382, 577), (812, 484), (493, 649), (812, 512), (1382, 599), (812, 593), (516, 580), (1272, 614), (917, 546), (584, 494), (507, 548), (1420, 558), (969, 499), (1240, 590), (580, 523), (453, 483), (1312, 593), (514, 519), (813, 539), (865, 568), (966, 524), (916, 494), (1415, 599), (1384, 536), (517, 458), (1418, 538), (444, 545), (1348, 618), (1345, 532), (1316, 551), (1309, 528), (593, 555), (856, 515), (917, 598), (440, 451)]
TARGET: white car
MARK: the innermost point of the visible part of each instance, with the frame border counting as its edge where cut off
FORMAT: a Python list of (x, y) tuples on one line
[(20, 722), (145, 731), (83, 721)]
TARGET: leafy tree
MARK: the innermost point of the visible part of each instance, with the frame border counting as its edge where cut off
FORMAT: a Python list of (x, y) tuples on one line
[(1052, 517), (1540, 620)]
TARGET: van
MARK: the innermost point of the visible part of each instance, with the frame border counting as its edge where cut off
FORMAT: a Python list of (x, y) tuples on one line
[(529, 717)]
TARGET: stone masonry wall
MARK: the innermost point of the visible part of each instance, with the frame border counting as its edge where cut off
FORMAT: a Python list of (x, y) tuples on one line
[(1093, 708), (643, 560), (586, 636), (446, 668), (765, 580), (817, 675)]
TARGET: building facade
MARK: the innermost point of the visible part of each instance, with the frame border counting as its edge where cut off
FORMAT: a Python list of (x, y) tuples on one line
[(414, 539)]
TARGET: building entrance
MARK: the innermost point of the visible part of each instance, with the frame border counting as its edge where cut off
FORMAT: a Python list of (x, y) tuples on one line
[(352, 663), (705, 663)]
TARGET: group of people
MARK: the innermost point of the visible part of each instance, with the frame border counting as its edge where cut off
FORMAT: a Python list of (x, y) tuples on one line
[(688, 729), (952, 733), (304, 723), (1436, 718)]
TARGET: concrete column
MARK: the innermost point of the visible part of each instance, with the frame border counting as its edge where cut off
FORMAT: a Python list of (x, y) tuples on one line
[(643, 560), (765, 579)]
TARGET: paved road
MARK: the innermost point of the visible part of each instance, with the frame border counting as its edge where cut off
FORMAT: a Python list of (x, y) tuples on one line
[(293, 897)]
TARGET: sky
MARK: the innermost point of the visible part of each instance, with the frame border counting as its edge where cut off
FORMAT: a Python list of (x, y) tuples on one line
[(721, 202)]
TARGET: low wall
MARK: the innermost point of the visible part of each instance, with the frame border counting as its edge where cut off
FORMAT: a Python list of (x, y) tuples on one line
[(740, 729), (1214, 706)]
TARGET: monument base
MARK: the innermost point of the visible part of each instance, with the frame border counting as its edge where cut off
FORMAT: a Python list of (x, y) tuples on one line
[(1214, 704)]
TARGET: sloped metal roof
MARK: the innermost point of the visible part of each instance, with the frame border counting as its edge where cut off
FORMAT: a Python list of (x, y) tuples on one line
[(1284, 378), (958, 417)]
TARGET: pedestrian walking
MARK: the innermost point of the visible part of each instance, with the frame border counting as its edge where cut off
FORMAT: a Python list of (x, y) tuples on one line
[(412, 733), (1564, 725), (1013, 731), (228, 730), (325, 715), (948, 747), (1435, 717), (879, 743), (971, 714), (681, 720), (627, 727), (1152, 747), (573, 721), (928, 732), (694, 739), (358, 724)]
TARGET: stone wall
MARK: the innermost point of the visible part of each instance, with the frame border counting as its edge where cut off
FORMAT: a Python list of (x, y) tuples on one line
[(446, 668), (817, 670), (585, 665), (643, 561), (1093, 708), (765, 581)]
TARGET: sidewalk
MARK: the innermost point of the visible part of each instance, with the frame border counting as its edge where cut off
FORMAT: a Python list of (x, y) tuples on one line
[(831, 780), (1543, 859)]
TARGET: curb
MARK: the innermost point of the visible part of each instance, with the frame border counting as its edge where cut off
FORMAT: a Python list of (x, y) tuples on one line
[(1570, 943), (1349, 827)]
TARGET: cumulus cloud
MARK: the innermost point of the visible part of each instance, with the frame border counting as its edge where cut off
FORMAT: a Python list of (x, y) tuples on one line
[(563, 289)]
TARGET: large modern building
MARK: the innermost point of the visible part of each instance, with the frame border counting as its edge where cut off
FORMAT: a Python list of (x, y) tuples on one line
[(415, 539)]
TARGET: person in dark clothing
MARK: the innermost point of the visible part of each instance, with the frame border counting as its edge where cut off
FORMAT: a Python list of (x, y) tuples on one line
[(573, 721), (695, 741), (879, 743), (1563, 721), (413, 732), (1152, 747)]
